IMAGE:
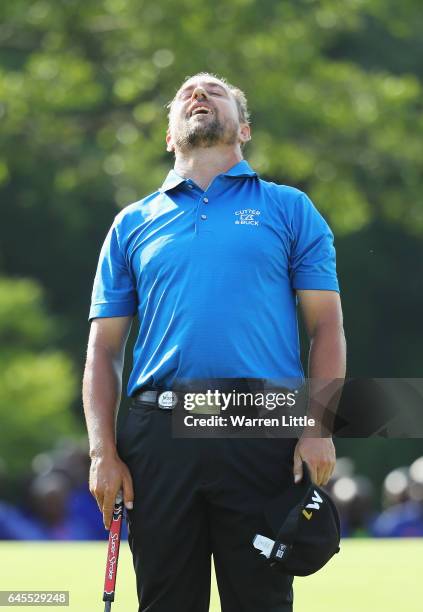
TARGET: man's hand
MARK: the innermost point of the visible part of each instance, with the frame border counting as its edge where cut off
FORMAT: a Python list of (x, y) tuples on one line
[(108, 475), (319, 454)]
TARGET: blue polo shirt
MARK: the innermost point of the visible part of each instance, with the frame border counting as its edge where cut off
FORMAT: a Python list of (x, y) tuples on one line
[(212, 276)]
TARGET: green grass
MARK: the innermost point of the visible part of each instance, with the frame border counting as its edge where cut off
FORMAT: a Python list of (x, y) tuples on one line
[(367, 575)]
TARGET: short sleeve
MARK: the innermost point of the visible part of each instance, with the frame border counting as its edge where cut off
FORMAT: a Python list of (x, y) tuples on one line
[(114, 291), (313, 259)]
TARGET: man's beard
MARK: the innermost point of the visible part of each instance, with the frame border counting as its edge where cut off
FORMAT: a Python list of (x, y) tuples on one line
[(205, 133)]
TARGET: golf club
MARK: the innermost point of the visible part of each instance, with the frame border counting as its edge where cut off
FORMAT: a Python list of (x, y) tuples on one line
[(113, 553)]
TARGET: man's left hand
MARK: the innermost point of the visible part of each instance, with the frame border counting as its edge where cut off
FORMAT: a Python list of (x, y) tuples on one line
[(320, 456)]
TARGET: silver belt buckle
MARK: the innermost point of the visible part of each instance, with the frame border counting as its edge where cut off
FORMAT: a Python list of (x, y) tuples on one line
[(167, 400)]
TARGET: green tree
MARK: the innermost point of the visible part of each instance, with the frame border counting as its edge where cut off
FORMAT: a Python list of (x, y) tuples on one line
[(37, 381)]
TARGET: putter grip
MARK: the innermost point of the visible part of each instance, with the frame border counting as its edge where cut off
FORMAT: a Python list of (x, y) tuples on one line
[(113, 551)]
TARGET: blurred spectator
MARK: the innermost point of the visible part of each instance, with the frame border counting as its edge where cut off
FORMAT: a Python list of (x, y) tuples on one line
[(75, 463), (70, 463), (58, 504), (403, 520), (403, 495), (395, 489), (354, 498), (71, 460), (416, 480), (49, 496)]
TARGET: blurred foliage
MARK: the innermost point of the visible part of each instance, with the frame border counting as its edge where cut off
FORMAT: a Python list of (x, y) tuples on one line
[(84, 85), (335, 90), (37, 381)]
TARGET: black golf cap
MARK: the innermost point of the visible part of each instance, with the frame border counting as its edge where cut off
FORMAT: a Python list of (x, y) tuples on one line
[(305, 526)]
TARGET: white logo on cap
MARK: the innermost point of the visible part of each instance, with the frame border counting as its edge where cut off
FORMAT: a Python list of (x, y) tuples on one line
[(167, 399), (317, 500)]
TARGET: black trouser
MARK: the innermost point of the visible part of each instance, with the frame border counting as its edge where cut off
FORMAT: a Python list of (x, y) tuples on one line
[(200, 497)]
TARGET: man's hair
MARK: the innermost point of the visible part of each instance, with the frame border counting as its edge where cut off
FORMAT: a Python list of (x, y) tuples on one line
[(238, 94)]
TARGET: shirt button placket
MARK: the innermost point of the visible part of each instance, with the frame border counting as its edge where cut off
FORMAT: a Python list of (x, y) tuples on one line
[(203, 200)]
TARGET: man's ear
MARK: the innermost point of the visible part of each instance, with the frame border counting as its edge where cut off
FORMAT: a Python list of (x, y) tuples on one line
[(244, 133), (169, 141)]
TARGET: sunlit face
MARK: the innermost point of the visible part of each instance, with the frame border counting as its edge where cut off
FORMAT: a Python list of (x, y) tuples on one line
[(204, 113)]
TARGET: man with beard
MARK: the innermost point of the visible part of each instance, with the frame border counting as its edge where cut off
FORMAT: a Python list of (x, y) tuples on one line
[(213, 264)]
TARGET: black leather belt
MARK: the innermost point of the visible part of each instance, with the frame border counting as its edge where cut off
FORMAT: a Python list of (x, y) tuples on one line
[(168, 400), (165, 400), (228, 385)]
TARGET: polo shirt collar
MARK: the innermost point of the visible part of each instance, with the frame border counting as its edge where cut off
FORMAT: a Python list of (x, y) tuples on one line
[(241, 170)]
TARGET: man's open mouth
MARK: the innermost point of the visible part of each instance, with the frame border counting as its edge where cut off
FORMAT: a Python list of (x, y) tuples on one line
[(200, 110)]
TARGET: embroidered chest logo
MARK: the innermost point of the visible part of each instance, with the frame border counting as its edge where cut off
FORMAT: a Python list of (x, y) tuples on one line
[(248, 216)]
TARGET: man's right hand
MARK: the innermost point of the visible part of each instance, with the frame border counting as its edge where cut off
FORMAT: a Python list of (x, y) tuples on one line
[(109, 475)]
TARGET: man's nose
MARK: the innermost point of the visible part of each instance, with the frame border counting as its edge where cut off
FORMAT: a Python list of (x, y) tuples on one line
[(199, 92)]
